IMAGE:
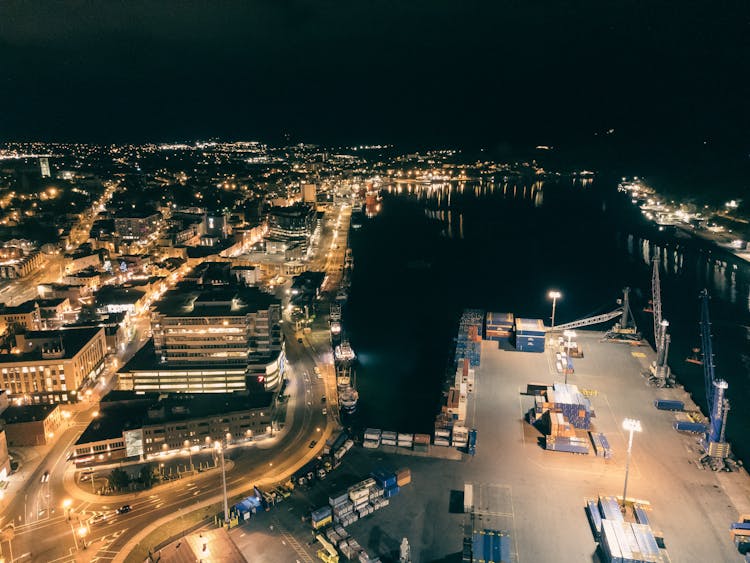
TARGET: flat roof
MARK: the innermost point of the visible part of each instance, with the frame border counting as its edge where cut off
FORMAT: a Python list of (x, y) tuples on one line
[(73, 340), (27, 413), (109, 295), (200, 301), (130, 411)]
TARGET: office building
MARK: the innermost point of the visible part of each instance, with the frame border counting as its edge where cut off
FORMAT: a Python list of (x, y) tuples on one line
[(52, 366), (145, 426)]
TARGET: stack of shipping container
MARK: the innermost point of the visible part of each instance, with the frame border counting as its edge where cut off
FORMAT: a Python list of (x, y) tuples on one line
[(601, 445), (621, 541), (468, 351), (363, 498), (372, 438), (499, 327), (488, 546), (530, 335)]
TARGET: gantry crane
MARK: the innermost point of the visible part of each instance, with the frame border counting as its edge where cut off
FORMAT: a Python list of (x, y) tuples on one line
[(660, 374), (718, 406)]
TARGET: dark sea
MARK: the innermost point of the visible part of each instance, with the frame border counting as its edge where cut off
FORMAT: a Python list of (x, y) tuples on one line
[(502, 245)]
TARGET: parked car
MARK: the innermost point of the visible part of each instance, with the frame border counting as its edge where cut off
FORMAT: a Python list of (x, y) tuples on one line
[(325, 411)]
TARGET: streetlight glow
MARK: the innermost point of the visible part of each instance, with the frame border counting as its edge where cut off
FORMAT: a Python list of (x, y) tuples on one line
[(631, 425), (554, 295)]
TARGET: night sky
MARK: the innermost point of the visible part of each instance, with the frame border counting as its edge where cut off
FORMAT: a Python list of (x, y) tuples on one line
[(407, 71)]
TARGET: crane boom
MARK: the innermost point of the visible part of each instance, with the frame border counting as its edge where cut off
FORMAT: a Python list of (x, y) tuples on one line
[(656, 301), (588, 321), (707, 349)]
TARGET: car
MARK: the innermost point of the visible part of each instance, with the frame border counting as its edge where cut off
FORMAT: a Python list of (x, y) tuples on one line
[(98, 519), (323, 399), (124, 509), (325, 411), (299, 340), (312, 444), (45, 477)]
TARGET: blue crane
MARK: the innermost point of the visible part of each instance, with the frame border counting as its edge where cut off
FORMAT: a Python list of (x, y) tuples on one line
[(717, 404)]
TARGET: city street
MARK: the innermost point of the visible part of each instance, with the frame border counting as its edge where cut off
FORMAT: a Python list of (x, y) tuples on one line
[(53, 519)]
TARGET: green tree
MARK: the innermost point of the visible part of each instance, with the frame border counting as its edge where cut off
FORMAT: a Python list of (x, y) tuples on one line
[(119, 479), (146, 476)]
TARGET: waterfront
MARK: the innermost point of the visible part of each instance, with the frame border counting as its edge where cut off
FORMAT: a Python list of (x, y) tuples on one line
[(433, 251)]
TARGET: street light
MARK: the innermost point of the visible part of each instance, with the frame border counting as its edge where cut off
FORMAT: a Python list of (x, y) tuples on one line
[(218, 446), (554, 295), (569, 334), (190, 453), (631, 425), (66, 505), (82, 531)]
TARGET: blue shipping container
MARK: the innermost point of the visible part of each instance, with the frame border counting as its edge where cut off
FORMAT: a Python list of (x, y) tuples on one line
[(695, 427), (669, 405)]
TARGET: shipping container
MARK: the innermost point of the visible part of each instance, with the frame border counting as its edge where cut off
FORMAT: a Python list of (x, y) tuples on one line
[(669, 405), (686, 426), (595, 518), (468, 497)]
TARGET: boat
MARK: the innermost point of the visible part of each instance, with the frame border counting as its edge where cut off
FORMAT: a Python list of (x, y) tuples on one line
[(348, 399)]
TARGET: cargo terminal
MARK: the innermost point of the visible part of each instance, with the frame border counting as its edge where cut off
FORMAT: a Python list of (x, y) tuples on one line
[(518, 499)]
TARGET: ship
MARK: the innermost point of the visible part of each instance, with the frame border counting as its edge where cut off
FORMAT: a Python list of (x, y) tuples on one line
[(344, 359)]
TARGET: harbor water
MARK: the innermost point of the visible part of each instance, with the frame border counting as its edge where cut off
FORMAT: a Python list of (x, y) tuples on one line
[(502, 245)]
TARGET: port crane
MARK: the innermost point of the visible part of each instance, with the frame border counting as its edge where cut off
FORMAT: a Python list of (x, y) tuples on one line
[(718, 406), (660, 373), (623, 330)]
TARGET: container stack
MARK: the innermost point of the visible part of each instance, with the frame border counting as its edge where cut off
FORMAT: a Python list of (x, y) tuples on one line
[(460, 436), (465, 375), (372, 438), (443, 436), (530, 335), (421, 442), (456, 402), (490, 546), (621, 541), (601, 445), (405, 440), (569, 445), (389, 438), (567, 399), (556, 425), (468, 343), (625, 542), (499, 327)]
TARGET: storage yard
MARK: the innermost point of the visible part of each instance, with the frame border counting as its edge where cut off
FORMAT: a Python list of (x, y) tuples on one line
[(527, 503)]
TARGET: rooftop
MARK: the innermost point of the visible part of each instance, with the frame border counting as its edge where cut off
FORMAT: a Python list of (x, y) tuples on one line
[(129, 411), (199, 301), (27, 413), (72, 341)]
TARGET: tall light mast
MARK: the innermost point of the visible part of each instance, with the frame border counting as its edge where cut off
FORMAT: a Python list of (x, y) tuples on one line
[(659, 369)]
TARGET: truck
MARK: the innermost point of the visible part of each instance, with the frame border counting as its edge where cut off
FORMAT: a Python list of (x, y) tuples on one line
[(471, 447)]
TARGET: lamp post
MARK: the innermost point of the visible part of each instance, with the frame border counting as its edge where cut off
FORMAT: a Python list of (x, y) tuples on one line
[(66, 505), (82, 531), (554, 295), (569, 334), (631, 425), (190, 453), (219, 448)]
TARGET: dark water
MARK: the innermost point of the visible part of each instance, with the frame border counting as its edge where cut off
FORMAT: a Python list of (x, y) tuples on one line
[(502, 247)]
